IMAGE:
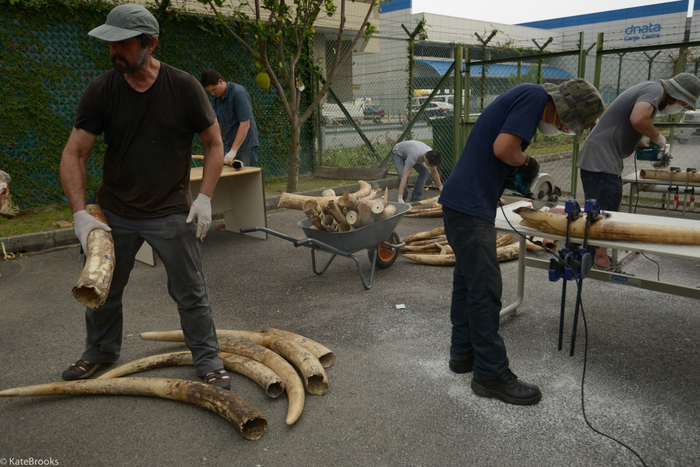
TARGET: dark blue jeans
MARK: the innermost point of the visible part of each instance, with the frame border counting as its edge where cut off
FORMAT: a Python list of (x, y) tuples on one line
[(476, 294), (249, 157), (605, 188), (180, 250)]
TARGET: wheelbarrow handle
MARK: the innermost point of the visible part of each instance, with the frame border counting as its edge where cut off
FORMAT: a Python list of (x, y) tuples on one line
[(307, 242), (269, 231)]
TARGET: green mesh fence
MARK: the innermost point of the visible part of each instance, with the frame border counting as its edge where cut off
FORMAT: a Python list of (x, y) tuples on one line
[(47, 60)]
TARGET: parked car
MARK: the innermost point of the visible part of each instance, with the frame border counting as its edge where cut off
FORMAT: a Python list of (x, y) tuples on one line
[(361, 109), (434, 110), (689, 134)]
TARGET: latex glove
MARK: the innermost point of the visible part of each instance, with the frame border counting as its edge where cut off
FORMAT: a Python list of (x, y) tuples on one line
[(660, 141), (400, 200), (529, 169), (440, 188), (230, 156), (84, 224), (201, 208)]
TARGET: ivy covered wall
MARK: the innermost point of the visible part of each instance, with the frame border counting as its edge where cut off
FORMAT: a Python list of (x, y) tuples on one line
[(47, 60)]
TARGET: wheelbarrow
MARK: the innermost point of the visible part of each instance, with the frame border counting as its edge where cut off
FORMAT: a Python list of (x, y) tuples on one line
[(378, 238)]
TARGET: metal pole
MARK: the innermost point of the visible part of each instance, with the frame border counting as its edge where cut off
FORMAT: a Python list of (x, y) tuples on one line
[(457, 114), (574, 159)]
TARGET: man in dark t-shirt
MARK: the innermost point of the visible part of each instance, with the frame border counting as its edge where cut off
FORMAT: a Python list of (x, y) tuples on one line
[(148, 113), (469, 201)]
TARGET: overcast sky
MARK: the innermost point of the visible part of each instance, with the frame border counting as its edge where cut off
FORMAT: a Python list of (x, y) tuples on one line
[(523, 11)]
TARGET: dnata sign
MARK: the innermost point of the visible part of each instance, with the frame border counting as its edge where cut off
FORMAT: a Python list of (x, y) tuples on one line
[(646, 31)]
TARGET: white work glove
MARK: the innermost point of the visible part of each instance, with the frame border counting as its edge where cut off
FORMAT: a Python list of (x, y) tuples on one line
[(201, 208), (660, 141), (400, 200), (84, 224), (230, 156)]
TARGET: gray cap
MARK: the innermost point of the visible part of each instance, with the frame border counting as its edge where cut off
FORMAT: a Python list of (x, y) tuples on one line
[(684, 87), (126, 21)]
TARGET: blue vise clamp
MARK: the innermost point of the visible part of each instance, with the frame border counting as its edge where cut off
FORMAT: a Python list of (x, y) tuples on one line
[(573, 263)]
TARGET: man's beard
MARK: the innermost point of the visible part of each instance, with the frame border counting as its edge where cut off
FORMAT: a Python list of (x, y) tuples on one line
[(126, 67)]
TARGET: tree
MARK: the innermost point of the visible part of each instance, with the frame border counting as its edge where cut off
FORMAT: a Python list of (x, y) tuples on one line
[(281, 33)]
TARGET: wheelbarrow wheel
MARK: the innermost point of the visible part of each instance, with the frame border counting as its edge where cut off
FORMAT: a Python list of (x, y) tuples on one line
[(385, 256)]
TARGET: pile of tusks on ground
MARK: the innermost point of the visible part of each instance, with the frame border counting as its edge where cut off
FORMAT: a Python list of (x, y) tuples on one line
[(431, 247), (261, 356)]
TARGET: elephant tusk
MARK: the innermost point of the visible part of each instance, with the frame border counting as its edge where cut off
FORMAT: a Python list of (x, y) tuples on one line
[(149, 363), (264, 376), (292, 382), (324, 354), (245, 417)]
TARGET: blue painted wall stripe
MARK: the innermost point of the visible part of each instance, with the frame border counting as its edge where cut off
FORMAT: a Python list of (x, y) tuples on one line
[(396, 5), (615, 15)]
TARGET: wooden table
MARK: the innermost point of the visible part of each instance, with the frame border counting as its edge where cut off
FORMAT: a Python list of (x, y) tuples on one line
[(691, 252), (239, 196)]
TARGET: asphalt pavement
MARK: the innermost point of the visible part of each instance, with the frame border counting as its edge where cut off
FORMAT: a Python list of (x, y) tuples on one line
[(392, 399)]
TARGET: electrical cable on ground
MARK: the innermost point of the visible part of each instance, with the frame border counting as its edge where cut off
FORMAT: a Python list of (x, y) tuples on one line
[(585, 352), (636, 203)]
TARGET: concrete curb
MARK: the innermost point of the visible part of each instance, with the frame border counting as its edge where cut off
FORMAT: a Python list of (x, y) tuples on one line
[(65, 237)]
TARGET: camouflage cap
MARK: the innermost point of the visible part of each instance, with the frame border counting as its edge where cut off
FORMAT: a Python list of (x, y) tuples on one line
[(684, 87), (578, 103)]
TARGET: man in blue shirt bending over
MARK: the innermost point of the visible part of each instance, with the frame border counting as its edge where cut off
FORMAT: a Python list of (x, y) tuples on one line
[(234, 111), (469, 201)]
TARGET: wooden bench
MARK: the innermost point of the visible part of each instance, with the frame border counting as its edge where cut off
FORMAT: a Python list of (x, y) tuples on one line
[(239, 196)]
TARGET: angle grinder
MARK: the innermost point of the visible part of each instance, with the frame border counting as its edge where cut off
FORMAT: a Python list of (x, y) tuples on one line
[(541, 190), (659, 157)]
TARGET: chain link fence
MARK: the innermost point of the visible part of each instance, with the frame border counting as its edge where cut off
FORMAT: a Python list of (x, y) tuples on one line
[(623, 68), (47, 60), (392, 90)]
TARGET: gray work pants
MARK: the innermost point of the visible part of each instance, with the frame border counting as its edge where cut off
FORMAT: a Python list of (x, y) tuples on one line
[(180, 250)]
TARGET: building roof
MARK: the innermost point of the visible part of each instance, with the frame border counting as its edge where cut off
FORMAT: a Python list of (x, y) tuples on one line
[(428, 68)]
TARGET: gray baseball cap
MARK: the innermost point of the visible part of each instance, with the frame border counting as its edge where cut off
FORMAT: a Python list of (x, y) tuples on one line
[(126, 21)]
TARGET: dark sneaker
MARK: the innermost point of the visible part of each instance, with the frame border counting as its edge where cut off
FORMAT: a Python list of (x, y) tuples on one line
[(508, 389), (218, 378), (462, 366), (80, 370)]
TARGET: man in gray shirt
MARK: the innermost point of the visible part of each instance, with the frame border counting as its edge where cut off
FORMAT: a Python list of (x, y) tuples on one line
[(418, 155), (619, 133)]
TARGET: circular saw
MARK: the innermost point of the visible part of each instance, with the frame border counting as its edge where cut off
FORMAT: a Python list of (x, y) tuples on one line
[(541, 190)]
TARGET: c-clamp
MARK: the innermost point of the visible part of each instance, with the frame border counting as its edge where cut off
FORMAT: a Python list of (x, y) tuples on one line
[(573, 263)]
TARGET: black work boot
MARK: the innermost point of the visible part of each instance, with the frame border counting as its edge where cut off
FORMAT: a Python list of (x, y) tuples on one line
[(508, 389), (462, 366)]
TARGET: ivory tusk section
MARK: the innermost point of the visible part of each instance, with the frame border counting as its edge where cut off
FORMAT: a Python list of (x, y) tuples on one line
[(245, 417), (609, 229), (93, 284)]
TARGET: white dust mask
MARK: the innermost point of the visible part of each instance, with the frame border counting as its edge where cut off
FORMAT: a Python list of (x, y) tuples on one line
[(547, 129), (672, 109)]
